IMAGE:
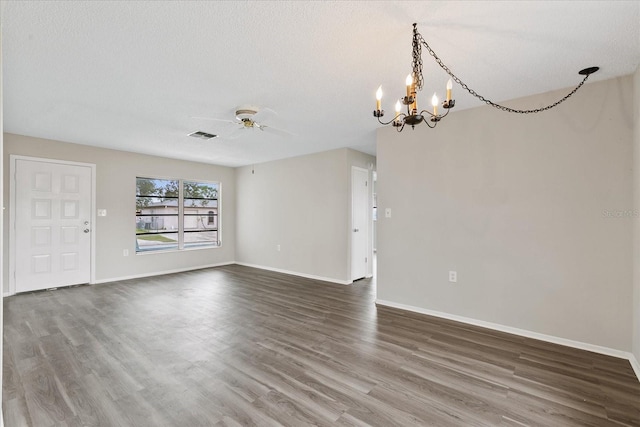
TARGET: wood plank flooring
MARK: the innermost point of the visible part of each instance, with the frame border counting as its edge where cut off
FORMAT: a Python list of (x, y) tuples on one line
[(237, 346)]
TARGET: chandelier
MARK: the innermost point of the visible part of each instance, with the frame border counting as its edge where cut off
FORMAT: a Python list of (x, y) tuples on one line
[(415, 81)]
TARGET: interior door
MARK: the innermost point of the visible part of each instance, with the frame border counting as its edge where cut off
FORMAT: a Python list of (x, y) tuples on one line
[(52, 224), (359, 222)]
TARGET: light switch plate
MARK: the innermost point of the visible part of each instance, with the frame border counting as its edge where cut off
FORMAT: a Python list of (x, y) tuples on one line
[(387, 213), (453, 276), (102, 212)]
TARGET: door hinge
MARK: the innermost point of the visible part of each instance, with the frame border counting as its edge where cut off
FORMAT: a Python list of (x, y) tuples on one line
[(366, 259), (366, 183)]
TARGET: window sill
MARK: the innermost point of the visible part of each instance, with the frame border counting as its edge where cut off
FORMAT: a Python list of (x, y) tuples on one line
[(164, 251)]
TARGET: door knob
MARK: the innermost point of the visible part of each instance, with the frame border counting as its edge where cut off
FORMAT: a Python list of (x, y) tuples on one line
[(355, 230), (86, 230)]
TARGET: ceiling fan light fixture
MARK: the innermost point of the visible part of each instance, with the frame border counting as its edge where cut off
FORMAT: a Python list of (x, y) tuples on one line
[(245, 114)]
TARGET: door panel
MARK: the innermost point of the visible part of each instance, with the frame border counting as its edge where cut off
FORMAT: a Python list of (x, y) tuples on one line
[(359, 223), (52, 225)]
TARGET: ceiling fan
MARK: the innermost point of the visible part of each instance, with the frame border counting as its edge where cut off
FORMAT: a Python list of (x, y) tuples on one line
[(248, 119)]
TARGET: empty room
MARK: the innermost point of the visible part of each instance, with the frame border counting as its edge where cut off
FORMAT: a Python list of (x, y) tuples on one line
[(291, 213)]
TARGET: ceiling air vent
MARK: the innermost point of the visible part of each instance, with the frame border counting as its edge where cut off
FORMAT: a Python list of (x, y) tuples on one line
[(202, 135)]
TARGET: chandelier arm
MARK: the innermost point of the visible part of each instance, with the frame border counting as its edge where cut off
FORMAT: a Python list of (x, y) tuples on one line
[(445, 114), (439, 116), (421, 40), (392, 120)]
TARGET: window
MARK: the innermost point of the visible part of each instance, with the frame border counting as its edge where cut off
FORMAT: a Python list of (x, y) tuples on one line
[(200, 201), (176, 214)]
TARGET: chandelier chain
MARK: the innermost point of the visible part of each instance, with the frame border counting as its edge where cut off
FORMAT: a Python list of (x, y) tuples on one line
[(418, 40), (417, 59)]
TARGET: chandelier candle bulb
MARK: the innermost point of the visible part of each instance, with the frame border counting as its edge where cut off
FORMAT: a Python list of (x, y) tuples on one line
[(449, 87), (434, 102), (379, 98), (409, 82), (396, 119), (414, 95)]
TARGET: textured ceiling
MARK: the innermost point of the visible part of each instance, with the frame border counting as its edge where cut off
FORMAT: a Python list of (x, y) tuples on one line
[(133, 75)]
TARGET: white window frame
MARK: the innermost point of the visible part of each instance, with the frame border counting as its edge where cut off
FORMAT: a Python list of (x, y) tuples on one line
[(181, 217)]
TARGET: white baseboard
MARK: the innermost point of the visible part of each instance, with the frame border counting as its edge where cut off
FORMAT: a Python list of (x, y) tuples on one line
[(180, 270), (160, 273), (522, 332), (635, 365), (295, 273)]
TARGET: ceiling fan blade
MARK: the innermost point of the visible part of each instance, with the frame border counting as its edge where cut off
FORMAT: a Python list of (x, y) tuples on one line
[(214, 120), (264, 114), (236, 133), (277, 131)]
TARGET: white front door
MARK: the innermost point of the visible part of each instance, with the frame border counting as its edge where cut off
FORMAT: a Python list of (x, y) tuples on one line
[(52, 224), (359, 222)]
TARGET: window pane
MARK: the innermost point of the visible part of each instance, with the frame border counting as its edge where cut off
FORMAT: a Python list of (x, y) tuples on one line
[(161, 240), (200, 214), (200, 190), (156, 214), (157, 187), (194, 239)]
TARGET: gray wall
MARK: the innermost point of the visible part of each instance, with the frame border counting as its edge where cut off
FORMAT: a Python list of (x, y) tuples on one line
[(116, 173), (303, 205), (636, 219), (531, 211), (2, 264)]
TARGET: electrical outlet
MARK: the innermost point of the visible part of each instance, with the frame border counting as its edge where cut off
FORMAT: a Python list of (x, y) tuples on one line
[(453, 276), (125, 252)]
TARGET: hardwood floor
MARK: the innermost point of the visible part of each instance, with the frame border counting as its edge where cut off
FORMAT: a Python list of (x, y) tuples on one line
[(236, 346)]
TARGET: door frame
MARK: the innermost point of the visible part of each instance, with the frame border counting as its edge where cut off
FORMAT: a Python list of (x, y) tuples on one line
[(369, 228), (13, 158)]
